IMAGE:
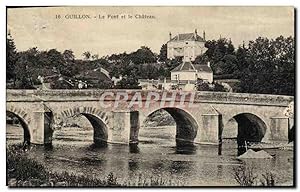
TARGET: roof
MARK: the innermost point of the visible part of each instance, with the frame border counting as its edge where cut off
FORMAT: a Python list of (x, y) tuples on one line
[(187, 37), (93, 74), (188, 66)]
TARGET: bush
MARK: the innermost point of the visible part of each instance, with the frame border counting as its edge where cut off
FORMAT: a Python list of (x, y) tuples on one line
[(25, 170), (22, 168), (206, 86), (245, 177)]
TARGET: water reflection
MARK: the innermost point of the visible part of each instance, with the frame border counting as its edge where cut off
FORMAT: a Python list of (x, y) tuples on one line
[(180, 167), (48, 147), (133, 165), (185, 147), (156, 157), (134, 148), (100, 144), (219, 170), (95, 147)]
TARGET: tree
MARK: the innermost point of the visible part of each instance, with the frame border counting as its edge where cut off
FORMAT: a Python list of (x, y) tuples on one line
[(23, 72), (201, 59), (143, 55), (68, 55), (55, 58), (104, 84), (70, 68), (11, 56), (87, 55), (230, 64), (271, 66), (221, 55), (163, 53), (58, 61), (128, 83), (242, 58), (95, 56), (162, 72), (206, 86)]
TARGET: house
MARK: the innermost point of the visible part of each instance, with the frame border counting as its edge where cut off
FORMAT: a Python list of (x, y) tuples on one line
[(187, 71), (91, 78), (186, 45), (183, 77)]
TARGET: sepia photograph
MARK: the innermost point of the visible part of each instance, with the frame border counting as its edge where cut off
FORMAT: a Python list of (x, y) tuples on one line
[(150, 96)]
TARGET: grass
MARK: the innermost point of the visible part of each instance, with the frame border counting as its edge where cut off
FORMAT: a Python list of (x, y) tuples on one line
[(141, 181), (245, 176), (25, 172)]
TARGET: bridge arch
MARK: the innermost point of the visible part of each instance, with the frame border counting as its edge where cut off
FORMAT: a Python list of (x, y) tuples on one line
[(98, 119), (186, 125), (244, 127), (21, 116)]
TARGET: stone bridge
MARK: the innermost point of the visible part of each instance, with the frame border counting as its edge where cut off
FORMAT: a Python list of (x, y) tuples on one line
[(211, 117)]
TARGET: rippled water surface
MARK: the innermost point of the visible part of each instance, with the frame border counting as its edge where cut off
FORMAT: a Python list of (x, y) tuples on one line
[(155, 156)]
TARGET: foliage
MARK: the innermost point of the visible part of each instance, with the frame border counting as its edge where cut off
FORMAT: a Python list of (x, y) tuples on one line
[(86, 55), (268, 179), (22, 168), (143, 55), (143, 181), (11, 56), (104, 84), (163, 53), (263, 66), (206, 86), (128, 83), (271, 67), (245, 176)]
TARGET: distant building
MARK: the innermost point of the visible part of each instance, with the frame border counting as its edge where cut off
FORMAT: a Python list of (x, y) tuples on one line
[(187, 71), (94, 78), (183, 77), (186, 45)]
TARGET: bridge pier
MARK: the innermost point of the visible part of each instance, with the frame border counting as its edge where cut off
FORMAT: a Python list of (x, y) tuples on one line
[(125, 127), (41, 127), (279, 130), (210, 129)]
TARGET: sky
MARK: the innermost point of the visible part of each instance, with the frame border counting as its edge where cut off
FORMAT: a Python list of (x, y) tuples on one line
[(39, 26)]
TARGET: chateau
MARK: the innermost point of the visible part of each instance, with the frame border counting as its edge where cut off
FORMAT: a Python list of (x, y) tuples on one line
[(186, 45), (184, 76)]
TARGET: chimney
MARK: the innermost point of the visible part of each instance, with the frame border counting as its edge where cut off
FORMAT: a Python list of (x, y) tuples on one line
[(208, 64), (195, 34), (170, 35), (204, 35)]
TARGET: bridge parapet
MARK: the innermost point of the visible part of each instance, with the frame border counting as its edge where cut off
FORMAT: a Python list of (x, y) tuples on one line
[(97, 95), (243, 98)]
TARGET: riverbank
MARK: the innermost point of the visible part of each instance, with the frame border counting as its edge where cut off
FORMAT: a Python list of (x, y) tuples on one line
[(25, 172)]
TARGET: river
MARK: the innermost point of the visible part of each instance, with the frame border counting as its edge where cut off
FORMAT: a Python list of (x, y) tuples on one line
[(155, 156)]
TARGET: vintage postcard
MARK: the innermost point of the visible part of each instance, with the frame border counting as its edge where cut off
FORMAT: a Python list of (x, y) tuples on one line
[(151, 96)]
